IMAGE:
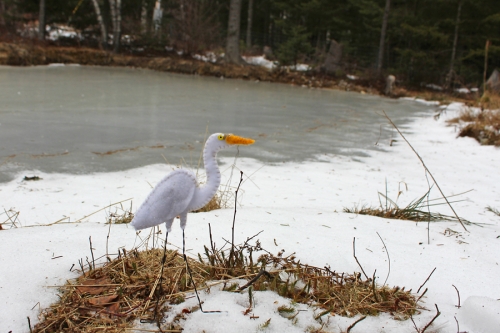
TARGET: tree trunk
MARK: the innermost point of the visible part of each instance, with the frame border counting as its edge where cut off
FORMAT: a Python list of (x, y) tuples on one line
[(382, 35), (104, 32), (2, 12), (118, 33), (144, 17), (41, 21), (449, 77), (157, 17), (233, 34), (116, 19), (249, 24), (112, 7), (486, 47)]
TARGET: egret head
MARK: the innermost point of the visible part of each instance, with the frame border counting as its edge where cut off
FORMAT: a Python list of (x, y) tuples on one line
[(221, 141)]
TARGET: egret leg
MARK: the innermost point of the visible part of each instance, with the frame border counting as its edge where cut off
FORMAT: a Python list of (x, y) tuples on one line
[(191, 276)]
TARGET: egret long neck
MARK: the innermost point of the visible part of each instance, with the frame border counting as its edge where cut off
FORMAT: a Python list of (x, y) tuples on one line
[(208, 190)]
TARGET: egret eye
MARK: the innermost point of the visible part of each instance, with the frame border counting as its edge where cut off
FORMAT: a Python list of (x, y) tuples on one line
[(221, 137)]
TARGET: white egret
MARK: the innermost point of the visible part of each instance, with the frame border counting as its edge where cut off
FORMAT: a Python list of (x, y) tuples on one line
[(179, 193)]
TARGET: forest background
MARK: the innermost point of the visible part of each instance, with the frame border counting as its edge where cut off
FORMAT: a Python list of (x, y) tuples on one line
[(446, 44)]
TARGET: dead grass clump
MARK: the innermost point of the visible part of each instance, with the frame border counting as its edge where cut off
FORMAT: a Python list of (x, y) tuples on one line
[(484, 126), (335, 293), (222, 199), (120, 215), (112, 296), (417, 210)]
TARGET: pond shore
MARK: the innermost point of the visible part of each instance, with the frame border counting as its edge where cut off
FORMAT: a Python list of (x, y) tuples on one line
[(24, 54)]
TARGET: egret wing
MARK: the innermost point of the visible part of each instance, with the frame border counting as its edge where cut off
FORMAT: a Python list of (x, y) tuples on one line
[(170, 198)]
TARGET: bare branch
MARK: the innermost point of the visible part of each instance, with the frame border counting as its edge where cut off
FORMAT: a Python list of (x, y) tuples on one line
[(426, 280)]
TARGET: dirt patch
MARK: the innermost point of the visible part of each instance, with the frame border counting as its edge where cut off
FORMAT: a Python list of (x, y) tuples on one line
[(32, 52), (19, 54)]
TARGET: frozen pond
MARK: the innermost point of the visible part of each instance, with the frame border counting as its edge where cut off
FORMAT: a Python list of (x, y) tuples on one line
[(78, 119)]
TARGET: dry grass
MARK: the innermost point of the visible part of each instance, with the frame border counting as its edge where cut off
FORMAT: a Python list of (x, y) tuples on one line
[(493, 210), (122, 290), (120, 215), (112, 296), (484, 126), (490, 101), (417, 210), (10, 220), (222, 199)]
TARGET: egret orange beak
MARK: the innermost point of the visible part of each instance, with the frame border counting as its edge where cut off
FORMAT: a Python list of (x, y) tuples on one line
[(238, 140)]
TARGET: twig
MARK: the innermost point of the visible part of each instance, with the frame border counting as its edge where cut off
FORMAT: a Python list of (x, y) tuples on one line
[(212, 245), (428, 211), (354, 254), (354, 324), (432, 320), (107, 241), (92, 253), (458, 326), (458, 306), (80, 261), (427, 169), (231, 255), (373, 287), (414, 325), (388, 258), (252, 281), (418, 299), (29, 324), (426, 280)]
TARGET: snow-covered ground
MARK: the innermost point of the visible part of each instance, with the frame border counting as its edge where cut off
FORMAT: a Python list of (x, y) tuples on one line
[(298, 206)]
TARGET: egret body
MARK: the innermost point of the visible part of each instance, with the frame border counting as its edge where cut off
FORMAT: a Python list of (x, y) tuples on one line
[(179, 193)]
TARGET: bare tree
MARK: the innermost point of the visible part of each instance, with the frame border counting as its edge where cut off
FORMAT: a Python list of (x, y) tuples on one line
[(102, 26), (196, 25), (233, 34), (41, 21), (385, 18), (116, 19), (249, 24)]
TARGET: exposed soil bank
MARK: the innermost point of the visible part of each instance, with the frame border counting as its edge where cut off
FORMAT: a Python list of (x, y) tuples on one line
[(23, 54)]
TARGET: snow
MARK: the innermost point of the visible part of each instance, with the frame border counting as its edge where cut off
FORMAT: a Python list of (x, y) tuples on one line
[(299, 208), (463, 91), (58, 31), (207, 57), (260, 61), (434, 86), (482, 314)]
